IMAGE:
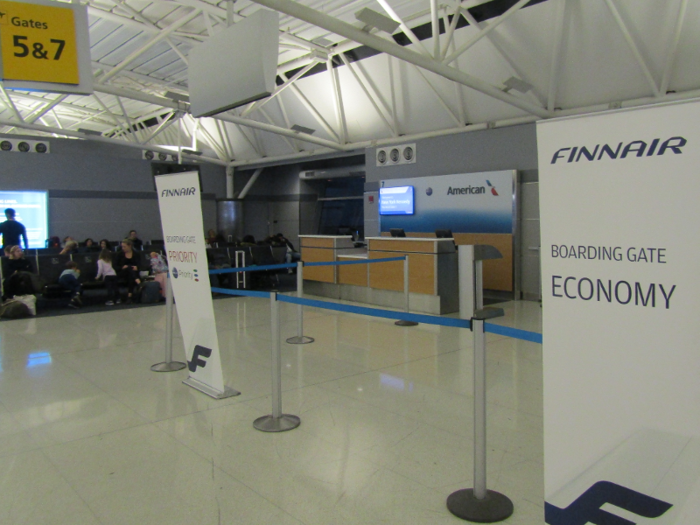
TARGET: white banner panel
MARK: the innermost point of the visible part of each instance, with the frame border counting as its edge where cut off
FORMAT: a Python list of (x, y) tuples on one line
[(621, 289), (179, 198)]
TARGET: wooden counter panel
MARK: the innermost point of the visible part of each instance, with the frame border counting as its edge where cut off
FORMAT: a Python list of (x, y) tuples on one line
[(356, 274), (389, 275), (498, 273), (316, 242), (325, 274), (427, 246)]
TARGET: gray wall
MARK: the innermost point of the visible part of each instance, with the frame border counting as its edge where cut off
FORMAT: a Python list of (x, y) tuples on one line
[(508, 148), (99, 190), (278, 202)]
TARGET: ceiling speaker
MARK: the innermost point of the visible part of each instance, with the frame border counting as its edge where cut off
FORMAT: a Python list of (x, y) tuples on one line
[(396, 155)]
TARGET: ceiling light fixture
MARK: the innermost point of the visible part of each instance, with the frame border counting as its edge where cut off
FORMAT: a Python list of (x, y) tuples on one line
[(302, 129), (372, 19)]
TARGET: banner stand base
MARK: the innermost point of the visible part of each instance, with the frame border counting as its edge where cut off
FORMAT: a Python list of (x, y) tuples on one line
[(406, 323), (276, 424), (300, 340), (206, 389), (494, 507), (172, 366)]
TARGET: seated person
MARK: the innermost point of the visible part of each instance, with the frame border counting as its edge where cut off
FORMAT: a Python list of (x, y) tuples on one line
[(69, 280), (292, 255), (248, 240), (70, 247), (105, 245), (53, 242), (127, 263), (20, 278), (135, 241), (89, 246), (159, 268)]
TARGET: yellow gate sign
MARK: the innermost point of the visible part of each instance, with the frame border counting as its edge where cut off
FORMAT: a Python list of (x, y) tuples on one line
[(38, 43)]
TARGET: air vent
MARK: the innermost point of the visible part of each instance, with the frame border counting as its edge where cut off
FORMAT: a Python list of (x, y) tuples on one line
[(158, 156), (396, 155), (24, 146)]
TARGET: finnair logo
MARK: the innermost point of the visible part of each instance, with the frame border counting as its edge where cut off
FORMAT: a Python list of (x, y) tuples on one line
[(200, 352), (179, 192), (587, 507), (637, 148)]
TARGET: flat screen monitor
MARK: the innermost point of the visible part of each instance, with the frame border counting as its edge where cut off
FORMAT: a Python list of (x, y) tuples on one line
[(443, 234), (396, 201), (31, 209), (397, 232)]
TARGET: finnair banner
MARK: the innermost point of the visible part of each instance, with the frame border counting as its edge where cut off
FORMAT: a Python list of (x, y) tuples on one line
[(179, 198), (466, 203), (621, 286)]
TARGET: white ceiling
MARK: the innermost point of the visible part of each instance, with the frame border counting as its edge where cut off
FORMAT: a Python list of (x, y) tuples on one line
[(578, 56)]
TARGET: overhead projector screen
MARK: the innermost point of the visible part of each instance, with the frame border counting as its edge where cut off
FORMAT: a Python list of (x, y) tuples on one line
[(235, 66)]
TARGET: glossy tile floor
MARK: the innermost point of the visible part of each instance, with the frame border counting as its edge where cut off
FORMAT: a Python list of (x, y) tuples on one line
[(89, 435)]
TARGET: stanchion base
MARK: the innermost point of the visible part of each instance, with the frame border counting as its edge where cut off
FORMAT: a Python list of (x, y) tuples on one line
[(300, 340), (276, 424), (206, 389), (406, 323), (172, 366), (494, 507)]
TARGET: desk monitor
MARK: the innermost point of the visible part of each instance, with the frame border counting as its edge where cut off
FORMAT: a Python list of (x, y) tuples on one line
[(397, 232), (443, 234)]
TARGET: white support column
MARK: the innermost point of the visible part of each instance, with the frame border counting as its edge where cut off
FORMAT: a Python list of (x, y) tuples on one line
[(157, 38), (338, 98), (490, 27), (557, 46), (671, 58), (633, 47), (404, 53), (367, 92), (435, 24), (314, 112)]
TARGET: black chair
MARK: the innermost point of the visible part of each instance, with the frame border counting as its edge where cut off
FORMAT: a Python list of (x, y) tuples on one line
[(262, 256), (50, 268), (87, 264)]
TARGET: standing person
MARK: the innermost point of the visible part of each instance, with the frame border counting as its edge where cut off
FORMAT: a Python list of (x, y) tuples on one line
[(127, 263), (12, 230), (69, 280), (106, 271), (135, 241)]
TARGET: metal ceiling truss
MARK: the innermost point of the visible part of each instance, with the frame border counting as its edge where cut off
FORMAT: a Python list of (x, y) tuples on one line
[(131, 124)]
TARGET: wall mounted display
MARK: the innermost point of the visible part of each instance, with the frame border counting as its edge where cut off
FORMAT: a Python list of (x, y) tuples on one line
[(32, 210)]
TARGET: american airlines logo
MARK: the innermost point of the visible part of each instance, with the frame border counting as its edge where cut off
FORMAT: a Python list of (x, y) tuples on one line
[(636, 148), (587, 507)]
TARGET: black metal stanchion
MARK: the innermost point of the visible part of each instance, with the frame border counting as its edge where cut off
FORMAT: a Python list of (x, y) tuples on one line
[(406, 295), (277, 421), (478, 503), (300, 338), (168, 365)]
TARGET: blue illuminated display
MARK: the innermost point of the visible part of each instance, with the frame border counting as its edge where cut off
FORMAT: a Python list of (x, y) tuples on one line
[(31, 209), (396, 201)]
